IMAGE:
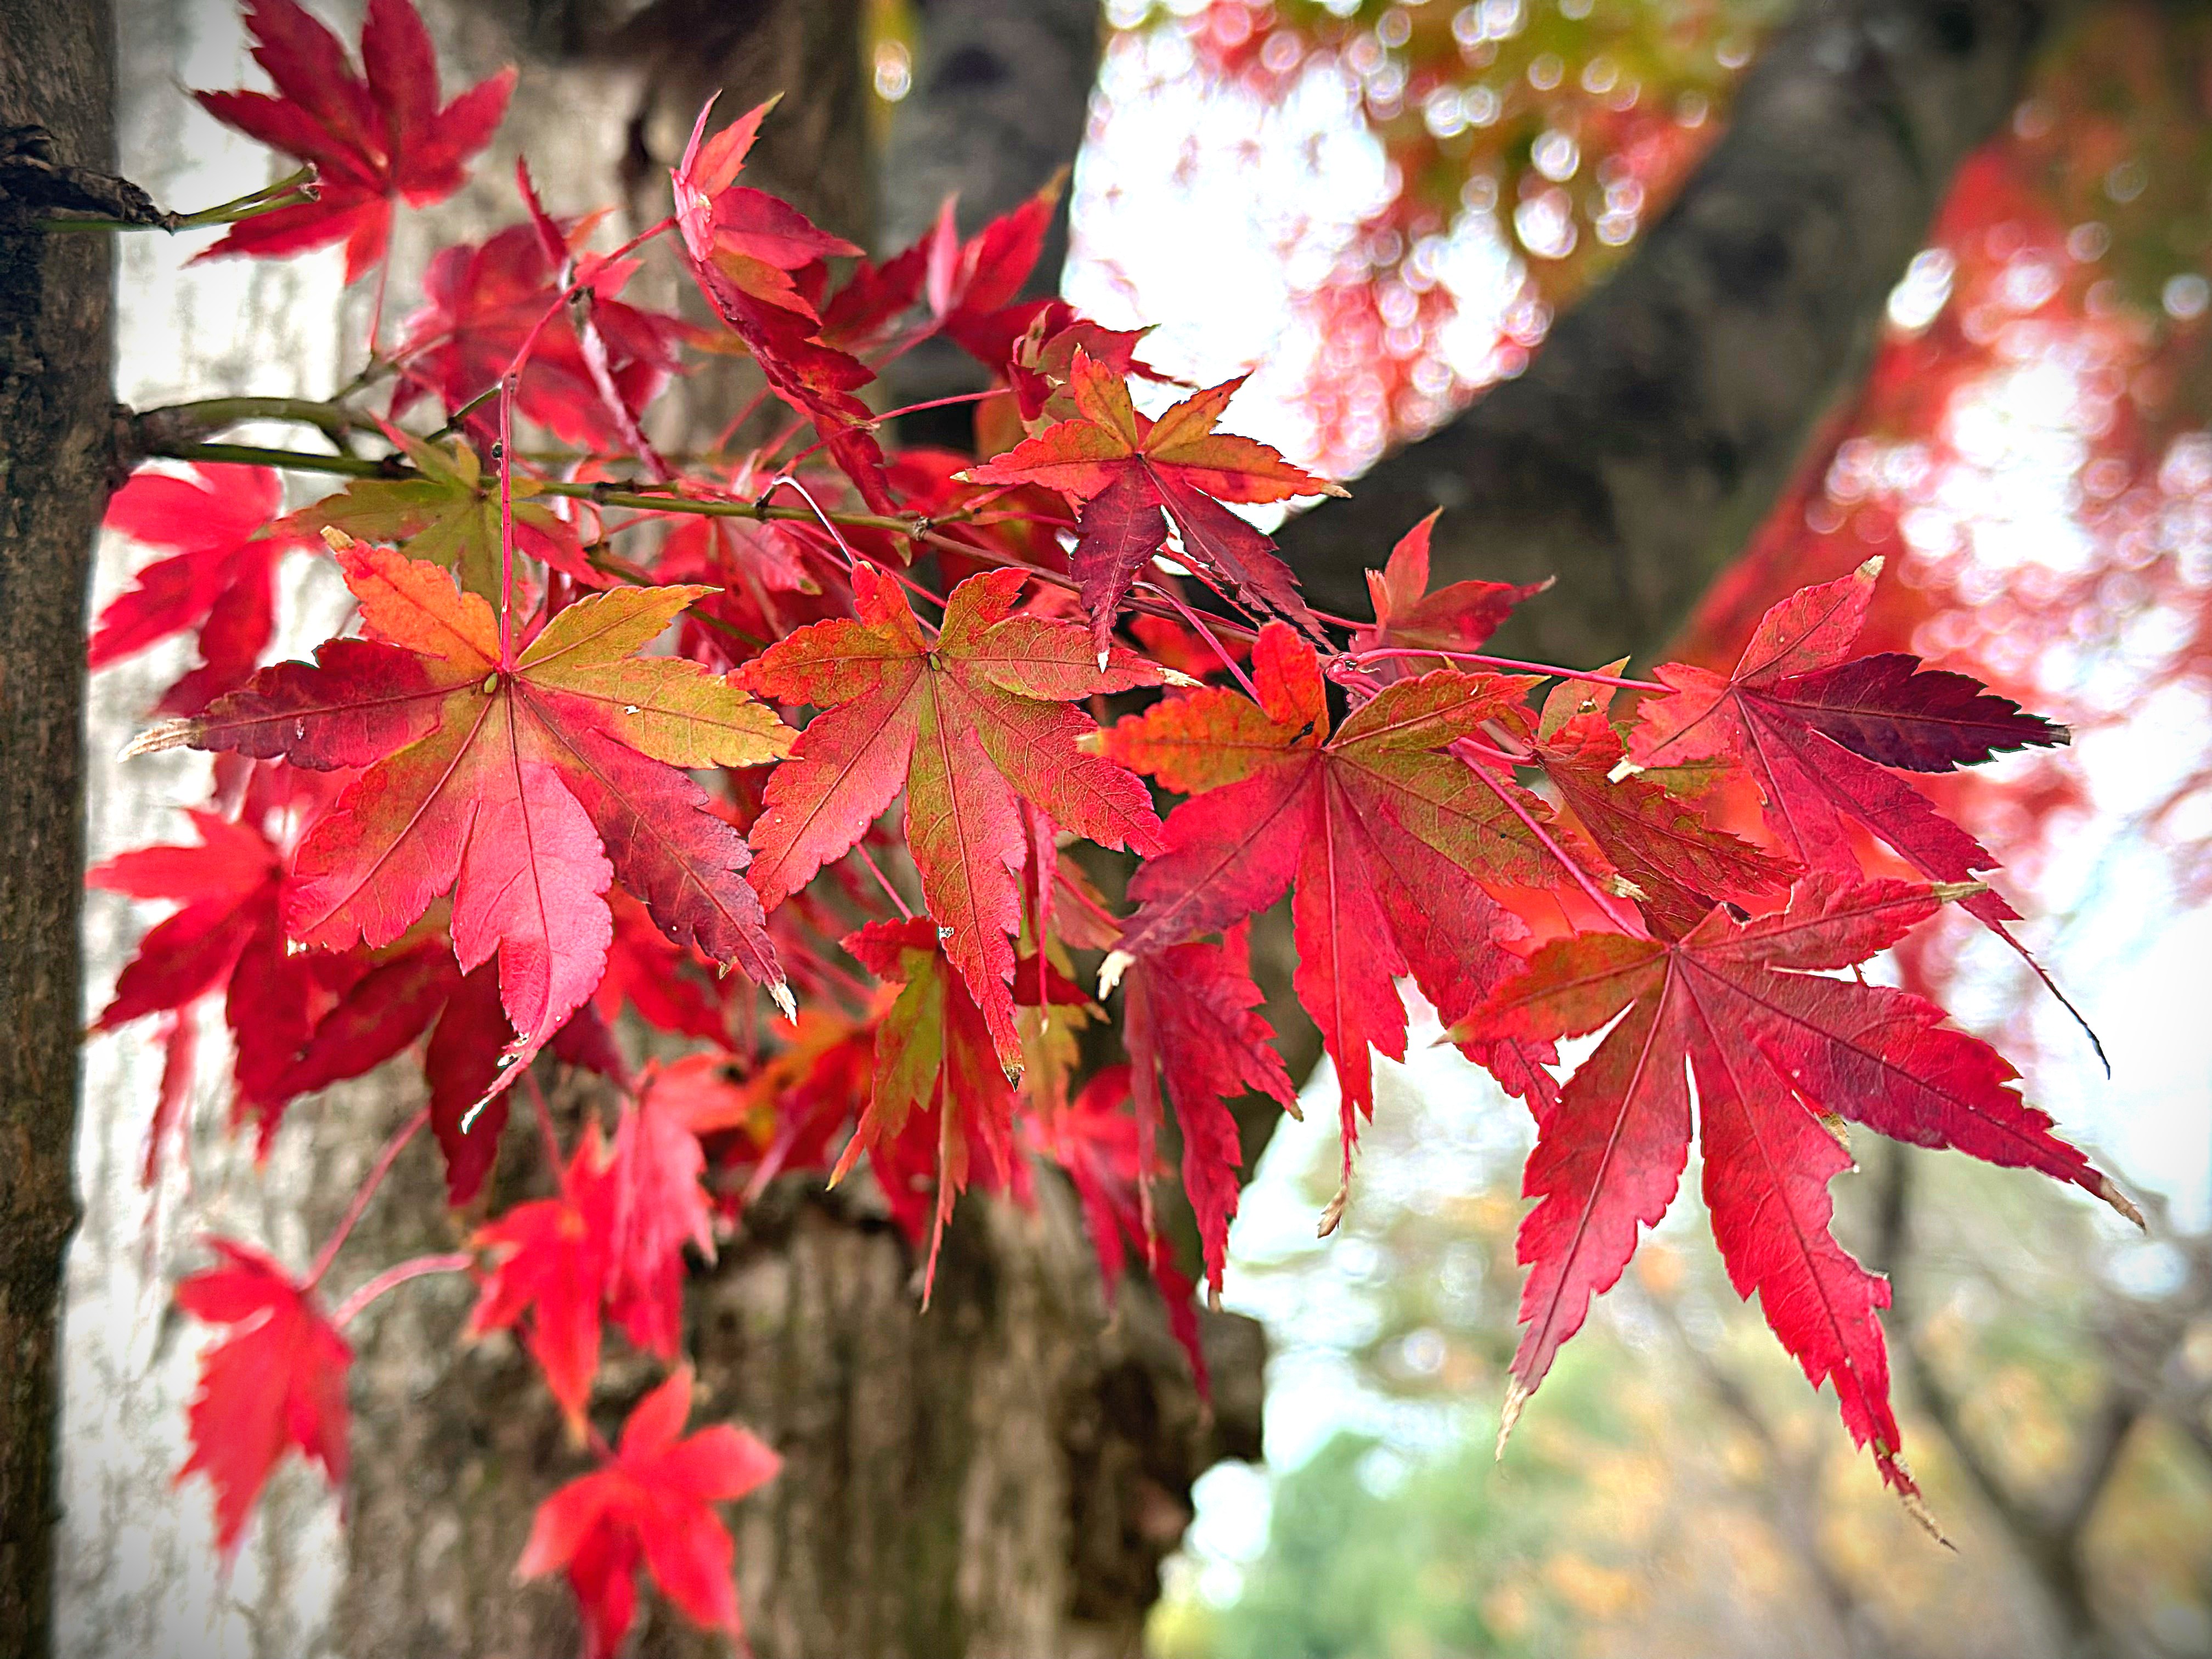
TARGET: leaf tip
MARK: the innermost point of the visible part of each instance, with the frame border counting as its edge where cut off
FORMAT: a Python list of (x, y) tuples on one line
[(1110, 971), (1180, 680), (336, 539), (1871, 568), (786, 1004), (2120, 1201), (169, 735), (1952, 892), (1334, 1212), (1917, 1507), (1517, 1396)]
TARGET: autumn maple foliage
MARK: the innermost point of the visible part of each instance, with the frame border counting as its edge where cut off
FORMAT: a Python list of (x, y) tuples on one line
[(614, 746)]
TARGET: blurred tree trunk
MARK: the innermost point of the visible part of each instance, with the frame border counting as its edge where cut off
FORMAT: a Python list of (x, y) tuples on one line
[(56, 97), (1665, 414)]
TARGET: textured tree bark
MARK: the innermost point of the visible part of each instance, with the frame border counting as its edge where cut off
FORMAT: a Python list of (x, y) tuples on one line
[(1665, 414), (57, 72)]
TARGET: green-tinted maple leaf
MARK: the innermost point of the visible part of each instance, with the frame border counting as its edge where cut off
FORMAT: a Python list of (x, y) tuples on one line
[(449, 515), (523, 785)]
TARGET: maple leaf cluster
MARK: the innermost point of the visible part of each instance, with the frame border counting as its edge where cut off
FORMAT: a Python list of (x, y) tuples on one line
[(803, 789)]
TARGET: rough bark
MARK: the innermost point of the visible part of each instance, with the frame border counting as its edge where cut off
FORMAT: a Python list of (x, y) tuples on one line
[(999, 1476), (57, 72), (1665, 413)]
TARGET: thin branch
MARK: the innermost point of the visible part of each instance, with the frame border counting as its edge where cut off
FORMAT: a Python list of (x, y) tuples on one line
[(455, 1262), (382, 1167)]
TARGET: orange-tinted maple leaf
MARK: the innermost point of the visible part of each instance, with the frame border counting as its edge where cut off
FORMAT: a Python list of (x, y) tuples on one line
[(373, 141), (1388, 837), (1128, 470), (653, 1501), (278, 1380), (520, 788), (966, 726), (1776, 1045)]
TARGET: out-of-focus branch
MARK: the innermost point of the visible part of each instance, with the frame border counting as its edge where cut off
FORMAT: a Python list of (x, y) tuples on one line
[(1789, 1495), (2046, 1529)]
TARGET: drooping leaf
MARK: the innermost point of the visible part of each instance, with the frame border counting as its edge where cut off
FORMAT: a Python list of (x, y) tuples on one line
[(1097, 1144), (278, 1380), (1197, 1041), (548, 1275), (743, 247), (1776, 1045), (936, 1076), (374, 138), (651, 1501), (658, 1208)]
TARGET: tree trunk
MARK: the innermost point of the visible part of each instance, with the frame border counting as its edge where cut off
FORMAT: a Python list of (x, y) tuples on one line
[(1001, 96), (57, 72), (1664, 415)]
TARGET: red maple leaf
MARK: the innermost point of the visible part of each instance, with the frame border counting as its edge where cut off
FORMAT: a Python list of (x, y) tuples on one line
[(278, 1380), (651, 1501), (1676, 864), (1459, 616), (937, 1082), (1128, 470), (220, 581), (548, 1273), (1197, 1038), (481, 302), (971, 287), (1387, 835), (656, 1206), (966, 724), (1777, 1047), (519, 783), (743, 247), (228, 937), (373, 141), (1807, 722)]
